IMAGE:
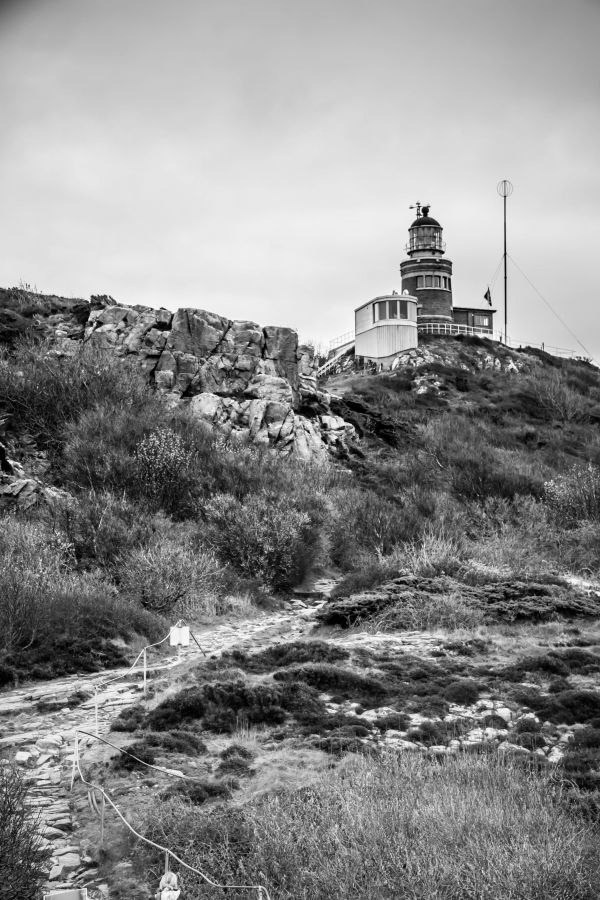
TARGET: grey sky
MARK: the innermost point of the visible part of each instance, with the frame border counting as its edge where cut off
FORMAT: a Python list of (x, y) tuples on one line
[(257, 157)]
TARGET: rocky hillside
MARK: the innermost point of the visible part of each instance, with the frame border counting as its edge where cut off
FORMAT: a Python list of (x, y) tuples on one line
[(401, 692), (243, 379)]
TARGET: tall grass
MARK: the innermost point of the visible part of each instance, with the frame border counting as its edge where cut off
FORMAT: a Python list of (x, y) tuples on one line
[(463, 828)]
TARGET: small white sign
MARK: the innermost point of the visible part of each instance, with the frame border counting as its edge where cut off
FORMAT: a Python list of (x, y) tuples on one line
[(179, 636)]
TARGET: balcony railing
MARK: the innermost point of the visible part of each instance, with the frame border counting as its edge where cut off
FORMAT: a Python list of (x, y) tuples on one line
[(453, 328), (450, 328)]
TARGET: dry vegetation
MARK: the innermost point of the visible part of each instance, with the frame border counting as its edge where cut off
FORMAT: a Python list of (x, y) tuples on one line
[(459, 512)]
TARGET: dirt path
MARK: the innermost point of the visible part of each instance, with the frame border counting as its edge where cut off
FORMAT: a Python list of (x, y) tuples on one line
[(38, 726), (38, 723)]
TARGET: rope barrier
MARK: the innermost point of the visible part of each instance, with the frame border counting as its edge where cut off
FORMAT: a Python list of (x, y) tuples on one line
[(143, 653), (261, 892), (169, 772)]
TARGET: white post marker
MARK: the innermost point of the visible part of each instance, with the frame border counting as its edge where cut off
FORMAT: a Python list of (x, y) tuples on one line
[(102, 823), (145, 671), (96, 707), (75, 760)]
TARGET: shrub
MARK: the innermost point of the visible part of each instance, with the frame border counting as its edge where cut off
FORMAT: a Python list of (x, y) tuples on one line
[(101, 527), (464, 691), (236, 751), (338, 744), (531, 740), (395, 721), (136, 756), (22, 862), (281, 655), (420, 611), (167, 575), (45, 389), (222, 706), (574, 496), (197, 792), (130, 719), (175, 742), (56, 620), (263, 537), (428, 733), (555, 397), (341, 682), (236, 766), (165, 471), (436, 553)]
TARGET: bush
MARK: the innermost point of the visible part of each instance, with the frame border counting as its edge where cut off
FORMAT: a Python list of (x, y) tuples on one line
[(222, 706), (101, 527), (464, 691), (394, 721), (419, 611), (263, 537), (198, 792), (170, 574), (341, 682), (185, 742), (282, 655), (136, 756), (575, 496), (165, 471), (45, 389), (22, 862), (130, 719), (56, 620)]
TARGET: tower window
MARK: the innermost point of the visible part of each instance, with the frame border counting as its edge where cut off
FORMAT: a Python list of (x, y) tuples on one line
[(436, 281), (382, 310), (392, 309), (444, 282), (404, 309), (428, 280), (419, 281)]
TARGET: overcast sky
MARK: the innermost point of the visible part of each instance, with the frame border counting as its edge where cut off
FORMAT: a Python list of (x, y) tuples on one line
[(257, 158)]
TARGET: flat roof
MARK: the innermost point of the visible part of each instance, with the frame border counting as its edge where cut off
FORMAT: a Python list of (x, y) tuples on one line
[(387, 297)]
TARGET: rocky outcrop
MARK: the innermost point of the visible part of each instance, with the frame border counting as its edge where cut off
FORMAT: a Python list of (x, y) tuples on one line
[(251, 382), (474, 357), (247, 381)]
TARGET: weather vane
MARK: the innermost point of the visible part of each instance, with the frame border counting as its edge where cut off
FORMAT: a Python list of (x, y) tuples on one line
[(419, 206)]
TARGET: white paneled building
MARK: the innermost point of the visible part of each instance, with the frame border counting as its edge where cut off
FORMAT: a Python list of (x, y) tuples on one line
[(385, 327)]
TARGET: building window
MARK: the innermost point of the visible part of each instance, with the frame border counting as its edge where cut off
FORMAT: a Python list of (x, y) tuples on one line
[(481, 321), (428, 280), (392, 309), (436, 281), (419, 281), (382, 310), (445, 282), (449, 284), (404, 309)]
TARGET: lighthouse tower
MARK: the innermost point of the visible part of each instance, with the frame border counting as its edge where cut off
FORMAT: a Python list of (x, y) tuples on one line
[(427, 274)]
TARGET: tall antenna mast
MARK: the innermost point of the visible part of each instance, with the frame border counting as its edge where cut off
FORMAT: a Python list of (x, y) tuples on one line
[(505, 189)]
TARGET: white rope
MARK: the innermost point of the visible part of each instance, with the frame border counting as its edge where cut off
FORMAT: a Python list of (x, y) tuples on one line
[(171, 772), (260, 890)]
